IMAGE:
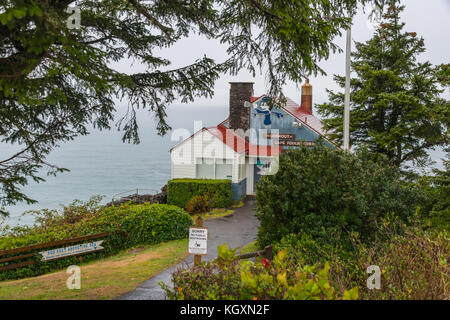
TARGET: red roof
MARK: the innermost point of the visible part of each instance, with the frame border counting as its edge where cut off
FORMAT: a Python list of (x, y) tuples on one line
[(231, 139), (253, 99), (239, 144)]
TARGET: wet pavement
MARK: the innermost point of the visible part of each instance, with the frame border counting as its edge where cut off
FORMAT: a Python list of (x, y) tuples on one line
[(235, 230)]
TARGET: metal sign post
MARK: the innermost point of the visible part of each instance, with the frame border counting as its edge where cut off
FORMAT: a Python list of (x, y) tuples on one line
[(347, 90)]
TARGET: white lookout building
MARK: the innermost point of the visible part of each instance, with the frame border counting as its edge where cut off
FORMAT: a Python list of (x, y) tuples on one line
[(246, 145)]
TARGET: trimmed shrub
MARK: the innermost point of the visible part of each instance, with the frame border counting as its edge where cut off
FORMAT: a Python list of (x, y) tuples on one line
[(129, 226), (198, 204), (226, 278), (328, 194), (180, 191)]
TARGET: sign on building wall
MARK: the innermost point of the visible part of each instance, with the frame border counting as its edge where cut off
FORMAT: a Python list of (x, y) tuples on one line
[(71, 251), (287, 140), (280, 136), (198, 240), (294, 143)]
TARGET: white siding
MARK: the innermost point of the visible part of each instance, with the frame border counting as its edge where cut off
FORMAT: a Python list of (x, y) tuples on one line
[(239, 159), (183, 171), (250, 172), (202, 145)]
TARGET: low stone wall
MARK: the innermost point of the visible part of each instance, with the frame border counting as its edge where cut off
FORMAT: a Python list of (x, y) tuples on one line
[(142, 198)]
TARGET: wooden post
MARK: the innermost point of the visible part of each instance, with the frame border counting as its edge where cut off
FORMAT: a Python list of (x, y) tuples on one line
[(268, 253), (197, 257)]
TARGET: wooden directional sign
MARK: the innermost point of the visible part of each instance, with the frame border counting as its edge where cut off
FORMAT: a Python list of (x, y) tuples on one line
[(71, 251), (198, 240)]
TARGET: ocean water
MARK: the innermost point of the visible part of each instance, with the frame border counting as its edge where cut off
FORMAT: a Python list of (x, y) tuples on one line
[(101, 164)]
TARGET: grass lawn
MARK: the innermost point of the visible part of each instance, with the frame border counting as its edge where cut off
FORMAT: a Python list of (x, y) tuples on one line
[(101, 279), (214, 213), (249, 247), (238, 204)]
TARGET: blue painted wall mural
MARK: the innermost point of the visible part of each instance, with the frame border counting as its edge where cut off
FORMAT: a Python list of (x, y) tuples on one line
[(265, 107), (264, 115), (267, 116)]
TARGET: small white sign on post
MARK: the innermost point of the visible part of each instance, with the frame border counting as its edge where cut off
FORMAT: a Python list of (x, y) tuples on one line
[(71, 251), (198, 240)]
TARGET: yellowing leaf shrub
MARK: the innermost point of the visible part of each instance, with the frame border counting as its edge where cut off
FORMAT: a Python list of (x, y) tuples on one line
[(227, 278)]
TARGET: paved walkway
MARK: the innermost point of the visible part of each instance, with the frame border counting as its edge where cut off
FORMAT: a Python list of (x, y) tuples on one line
[(236, 230)]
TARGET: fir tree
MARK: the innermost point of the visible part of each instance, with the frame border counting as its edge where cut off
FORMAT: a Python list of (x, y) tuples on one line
[(57, 79), (396, 106)]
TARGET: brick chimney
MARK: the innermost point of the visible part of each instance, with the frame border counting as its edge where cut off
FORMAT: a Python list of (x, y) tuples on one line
[(306, 104), (240, 92)]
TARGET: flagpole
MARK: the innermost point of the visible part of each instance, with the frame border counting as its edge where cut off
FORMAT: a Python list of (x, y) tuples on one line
[(347, 90)]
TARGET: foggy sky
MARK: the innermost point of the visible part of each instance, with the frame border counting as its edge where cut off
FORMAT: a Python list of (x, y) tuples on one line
[(430, 19)]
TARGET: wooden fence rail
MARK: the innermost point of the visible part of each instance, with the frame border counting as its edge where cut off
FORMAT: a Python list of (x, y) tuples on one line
[(266, 253), (41, 246)]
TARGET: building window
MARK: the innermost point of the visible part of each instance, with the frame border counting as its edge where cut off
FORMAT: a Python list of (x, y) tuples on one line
[(205, 168), (224, 171), (209, 168)]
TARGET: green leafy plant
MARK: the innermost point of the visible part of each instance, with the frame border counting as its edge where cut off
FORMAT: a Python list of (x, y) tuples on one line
[(413, 261), (329, 194), (57, 81), (219, 193), (128, 226), (436, 211), (198, 204)]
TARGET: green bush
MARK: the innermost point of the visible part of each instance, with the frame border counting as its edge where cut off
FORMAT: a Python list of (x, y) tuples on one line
[(227, 278), (180, 191), (129, 226), (436, 210), (198, 204), (329, 194)]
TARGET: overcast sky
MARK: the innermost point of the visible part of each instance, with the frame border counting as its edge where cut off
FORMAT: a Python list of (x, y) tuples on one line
[(430, 19)]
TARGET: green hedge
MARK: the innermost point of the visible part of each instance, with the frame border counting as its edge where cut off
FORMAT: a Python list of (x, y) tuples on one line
[(129, 226), (180, 191)]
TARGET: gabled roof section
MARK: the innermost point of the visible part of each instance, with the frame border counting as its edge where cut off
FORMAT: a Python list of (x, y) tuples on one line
[(300, 114), (192, 135), (253, 99), (227, 136), (226, 122), (237, 143), (231, 139), (240, 144), (305, 117)]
